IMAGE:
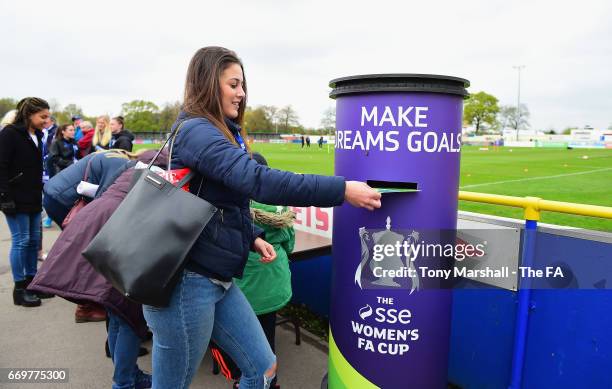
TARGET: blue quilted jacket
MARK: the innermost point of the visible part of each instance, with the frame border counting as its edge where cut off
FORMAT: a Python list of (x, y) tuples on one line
[(229, 179)]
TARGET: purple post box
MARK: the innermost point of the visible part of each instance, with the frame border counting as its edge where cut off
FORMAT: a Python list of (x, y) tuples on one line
[(400, 133)]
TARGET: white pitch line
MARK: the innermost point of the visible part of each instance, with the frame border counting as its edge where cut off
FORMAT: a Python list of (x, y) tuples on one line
[(535, 178)]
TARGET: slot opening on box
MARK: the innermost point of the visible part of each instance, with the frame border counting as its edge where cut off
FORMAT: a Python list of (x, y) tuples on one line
[(393, 186)]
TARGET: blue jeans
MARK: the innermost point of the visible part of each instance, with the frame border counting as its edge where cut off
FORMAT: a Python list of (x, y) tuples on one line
[(25, 235), (124, 345), (199, 310)]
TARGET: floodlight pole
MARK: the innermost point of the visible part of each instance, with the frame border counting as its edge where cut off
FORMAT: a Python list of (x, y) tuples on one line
[(518, 102)]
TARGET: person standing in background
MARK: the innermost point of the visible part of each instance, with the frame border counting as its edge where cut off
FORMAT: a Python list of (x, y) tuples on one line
[(21, 192), (63, 150), (76, 122), (8, 118), (50, 132), (48, 172), (85, 142), (121, 138), (102, 134)]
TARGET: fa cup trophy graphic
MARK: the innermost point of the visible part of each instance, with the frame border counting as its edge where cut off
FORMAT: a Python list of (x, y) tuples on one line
[(390, 263)]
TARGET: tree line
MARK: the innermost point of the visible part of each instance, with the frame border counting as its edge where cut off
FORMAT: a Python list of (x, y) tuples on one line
[(272, 119), (481, 110), (146, 116), (139, 115)]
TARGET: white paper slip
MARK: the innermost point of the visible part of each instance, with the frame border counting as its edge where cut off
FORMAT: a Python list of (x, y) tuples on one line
[(87, 189)]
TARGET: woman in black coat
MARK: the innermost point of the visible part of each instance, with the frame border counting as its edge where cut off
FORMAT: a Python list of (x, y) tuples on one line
[(21, 187), (63, 150)]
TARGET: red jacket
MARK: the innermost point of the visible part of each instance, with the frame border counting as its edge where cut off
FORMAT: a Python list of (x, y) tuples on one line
[(85, 143)]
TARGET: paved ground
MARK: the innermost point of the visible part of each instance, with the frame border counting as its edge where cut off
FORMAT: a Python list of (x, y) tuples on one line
[(47, 336)]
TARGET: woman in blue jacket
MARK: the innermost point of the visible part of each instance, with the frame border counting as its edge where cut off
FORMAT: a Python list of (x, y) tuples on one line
[(205, 304), (101, 169)]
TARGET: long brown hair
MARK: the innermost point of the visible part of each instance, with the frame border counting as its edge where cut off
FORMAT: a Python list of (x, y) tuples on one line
[(59, 133), (203, 89)]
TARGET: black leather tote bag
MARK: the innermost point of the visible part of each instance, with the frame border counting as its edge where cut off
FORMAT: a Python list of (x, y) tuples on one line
[(141, 250)]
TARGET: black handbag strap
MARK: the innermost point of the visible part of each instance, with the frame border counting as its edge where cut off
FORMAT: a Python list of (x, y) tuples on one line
[(188, 178), (171, 137), (185, 179)]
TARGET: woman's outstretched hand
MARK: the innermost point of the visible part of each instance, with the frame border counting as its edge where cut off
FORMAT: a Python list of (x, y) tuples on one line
[(265, 249), (359, 194)]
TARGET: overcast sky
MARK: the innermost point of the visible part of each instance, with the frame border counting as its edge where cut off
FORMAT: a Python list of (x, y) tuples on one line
[(99, 56)]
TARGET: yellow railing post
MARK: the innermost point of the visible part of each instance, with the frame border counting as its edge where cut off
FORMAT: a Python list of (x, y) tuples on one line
[(533, 206)]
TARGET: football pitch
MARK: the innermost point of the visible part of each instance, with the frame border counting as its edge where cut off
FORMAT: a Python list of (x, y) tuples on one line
[(577, 176)]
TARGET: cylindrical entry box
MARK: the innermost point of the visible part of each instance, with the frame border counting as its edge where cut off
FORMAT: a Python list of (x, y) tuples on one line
[(400, 133)]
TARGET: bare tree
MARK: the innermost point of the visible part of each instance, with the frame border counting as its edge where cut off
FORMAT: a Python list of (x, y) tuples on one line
[(272, 113), (54, 105), (288, 118), (509, 118), (328, 122)]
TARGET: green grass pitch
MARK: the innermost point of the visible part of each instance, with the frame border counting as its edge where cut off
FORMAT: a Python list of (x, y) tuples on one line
[(577, 176)]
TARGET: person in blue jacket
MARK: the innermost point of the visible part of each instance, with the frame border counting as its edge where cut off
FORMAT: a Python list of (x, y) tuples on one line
[(205, 304), (101, 168), (61, 190), (76, 122)]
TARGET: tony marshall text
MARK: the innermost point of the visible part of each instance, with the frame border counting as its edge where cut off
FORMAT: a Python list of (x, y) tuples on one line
[(487, 272)]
